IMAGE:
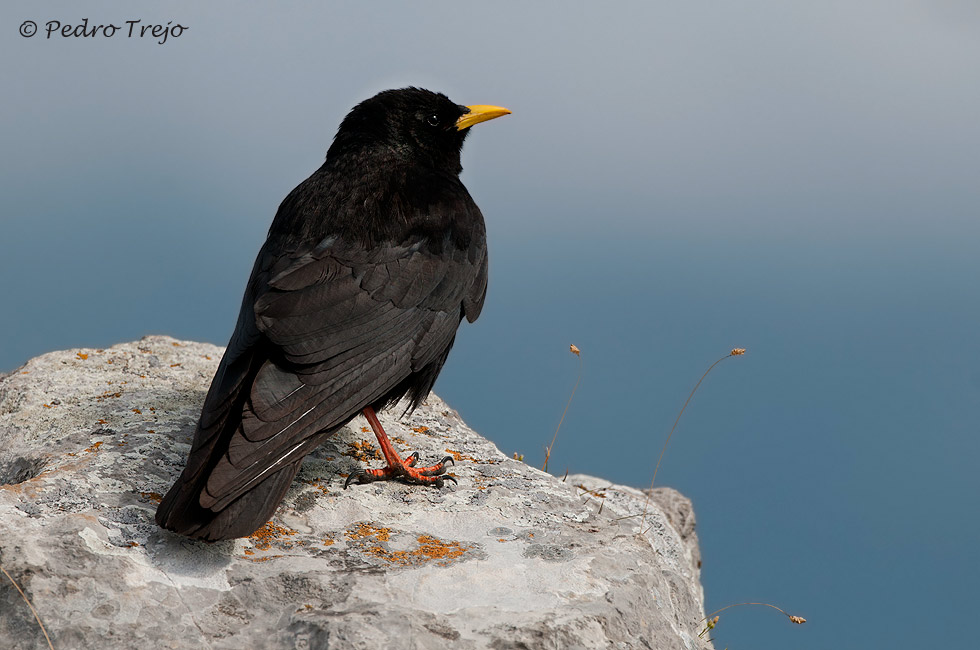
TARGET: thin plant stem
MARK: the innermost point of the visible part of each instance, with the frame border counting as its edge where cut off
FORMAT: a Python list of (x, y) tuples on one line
[(547, 452), (734, 353), (799, 620), (28, 601)]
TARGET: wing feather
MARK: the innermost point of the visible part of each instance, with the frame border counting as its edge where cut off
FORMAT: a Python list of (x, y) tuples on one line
[(348, 326)]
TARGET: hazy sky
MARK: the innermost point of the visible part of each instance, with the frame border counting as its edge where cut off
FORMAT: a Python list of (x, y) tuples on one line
[(677, 179)]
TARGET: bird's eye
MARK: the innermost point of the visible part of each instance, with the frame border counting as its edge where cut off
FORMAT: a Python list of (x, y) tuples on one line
[(433, 120)]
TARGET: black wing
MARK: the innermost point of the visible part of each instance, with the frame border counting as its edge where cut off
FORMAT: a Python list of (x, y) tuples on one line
[(322, 333)]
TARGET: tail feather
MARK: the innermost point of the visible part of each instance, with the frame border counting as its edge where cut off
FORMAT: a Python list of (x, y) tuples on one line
[(181, 511)]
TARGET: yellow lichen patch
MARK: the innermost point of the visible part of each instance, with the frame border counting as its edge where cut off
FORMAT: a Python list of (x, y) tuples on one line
[(248, 551), (175, 365), (362, 530), (430, 550), (102, 421), (436, 549), (461, 456), (137, 411), (263, 538), (264, 558), (365, 430), (316, 484), (363, 451), (328, 541), (82, 356), (176, 344), (392, 557), (374, 541)]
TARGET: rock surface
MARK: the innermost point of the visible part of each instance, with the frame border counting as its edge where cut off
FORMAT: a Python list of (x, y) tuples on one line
[(511, 558)]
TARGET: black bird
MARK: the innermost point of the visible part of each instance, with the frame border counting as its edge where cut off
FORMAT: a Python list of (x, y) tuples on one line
[(369, 267)]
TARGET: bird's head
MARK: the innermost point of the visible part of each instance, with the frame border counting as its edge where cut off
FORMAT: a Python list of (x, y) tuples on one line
[(413, 123)]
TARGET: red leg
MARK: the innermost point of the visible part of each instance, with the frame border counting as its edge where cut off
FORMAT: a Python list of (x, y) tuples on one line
[(397, 467)]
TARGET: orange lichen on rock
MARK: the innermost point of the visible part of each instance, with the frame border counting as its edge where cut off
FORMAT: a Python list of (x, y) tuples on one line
[(95, 447), (82, 356), (263, 538), (373, 541), (363, 451), (430, 549), (436, 549), (420, 429), (316, 484), (461, 456), (155, 497), (363, 530)]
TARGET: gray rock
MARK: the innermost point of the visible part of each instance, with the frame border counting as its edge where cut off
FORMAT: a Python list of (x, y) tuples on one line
[(511, 558)]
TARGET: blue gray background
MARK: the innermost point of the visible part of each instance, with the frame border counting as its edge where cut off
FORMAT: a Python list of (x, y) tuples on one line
[(677, 179)]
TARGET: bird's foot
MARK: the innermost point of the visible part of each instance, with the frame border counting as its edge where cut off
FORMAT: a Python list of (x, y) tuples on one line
[(406, 470)]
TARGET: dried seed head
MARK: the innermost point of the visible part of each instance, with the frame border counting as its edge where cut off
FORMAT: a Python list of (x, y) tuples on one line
[(574, 350), (799, 620), (737, 352)]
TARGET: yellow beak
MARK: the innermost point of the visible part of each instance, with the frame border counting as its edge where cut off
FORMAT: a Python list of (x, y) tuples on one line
[(479, 113)]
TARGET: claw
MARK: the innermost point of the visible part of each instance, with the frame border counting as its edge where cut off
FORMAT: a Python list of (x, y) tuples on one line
[(450, 478), (405, 470), (360, 477)]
